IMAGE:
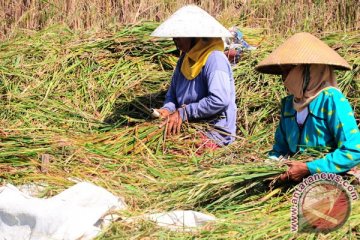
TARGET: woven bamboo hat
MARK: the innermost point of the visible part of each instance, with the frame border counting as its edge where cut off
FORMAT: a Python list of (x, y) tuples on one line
[(301, 48), (191, 21)]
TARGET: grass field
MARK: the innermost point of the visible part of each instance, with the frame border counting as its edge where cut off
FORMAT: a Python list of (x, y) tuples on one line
[(76, 95)]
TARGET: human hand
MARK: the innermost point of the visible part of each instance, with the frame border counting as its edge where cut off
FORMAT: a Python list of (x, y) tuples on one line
[(296, 172), (163, 112), (173, 123)]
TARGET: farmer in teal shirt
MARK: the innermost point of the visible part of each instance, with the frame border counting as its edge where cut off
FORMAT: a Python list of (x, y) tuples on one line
[(316, 114)]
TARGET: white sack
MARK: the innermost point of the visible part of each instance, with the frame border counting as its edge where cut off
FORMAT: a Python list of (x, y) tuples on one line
[(180, 220), (72, 214)]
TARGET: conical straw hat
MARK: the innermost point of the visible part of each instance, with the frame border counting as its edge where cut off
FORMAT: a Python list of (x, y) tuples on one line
[(191, 21), (301, 48)]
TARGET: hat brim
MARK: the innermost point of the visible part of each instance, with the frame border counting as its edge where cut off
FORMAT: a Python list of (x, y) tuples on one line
[(278, 69), (301, 48)]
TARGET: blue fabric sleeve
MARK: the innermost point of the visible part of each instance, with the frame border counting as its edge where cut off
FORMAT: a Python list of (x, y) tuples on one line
[(280, 147), (342, 124), (217, 100)]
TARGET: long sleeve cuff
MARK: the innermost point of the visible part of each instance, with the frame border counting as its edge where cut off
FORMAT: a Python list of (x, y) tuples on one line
[(324, 165), (183, 114), (313, 168), (169, 106)]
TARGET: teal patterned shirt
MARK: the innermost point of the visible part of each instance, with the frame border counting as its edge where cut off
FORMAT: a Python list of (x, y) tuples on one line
[(330, 126)]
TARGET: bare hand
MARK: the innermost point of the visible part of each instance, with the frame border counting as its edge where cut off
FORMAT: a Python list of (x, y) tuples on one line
[(173, 122), (163, 112), (296, 172)]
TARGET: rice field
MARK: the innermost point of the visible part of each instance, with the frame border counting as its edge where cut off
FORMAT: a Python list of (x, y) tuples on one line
[(80, 99)]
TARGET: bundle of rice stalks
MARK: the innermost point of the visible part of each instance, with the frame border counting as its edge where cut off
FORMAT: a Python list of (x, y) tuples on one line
[(223, 186)]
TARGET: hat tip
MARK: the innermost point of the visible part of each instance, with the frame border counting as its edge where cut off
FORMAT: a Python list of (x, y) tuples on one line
[(191, 21)]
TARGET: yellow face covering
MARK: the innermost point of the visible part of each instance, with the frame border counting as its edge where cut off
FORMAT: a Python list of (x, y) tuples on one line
[(196, 58)]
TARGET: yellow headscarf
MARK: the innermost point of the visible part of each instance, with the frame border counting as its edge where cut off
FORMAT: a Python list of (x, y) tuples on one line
[(196, 58), (321, 76)]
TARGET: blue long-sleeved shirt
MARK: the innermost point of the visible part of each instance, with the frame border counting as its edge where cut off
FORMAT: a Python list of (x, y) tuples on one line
[(210, 96), (329, 125)]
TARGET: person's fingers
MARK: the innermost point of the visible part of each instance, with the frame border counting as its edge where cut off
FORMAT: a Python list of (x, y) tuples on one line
[(174, 127), (170, 126), (288, 163), (163, 112), (163, 123), (178, 127), (284, 177), (173, 124), (296, 178), (162, 115), (293, 175)]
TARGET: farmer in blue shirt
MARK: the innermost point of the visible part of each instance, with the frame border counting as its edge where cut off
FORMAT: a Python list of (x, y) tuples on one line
[(316, 114), (202, 86)]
